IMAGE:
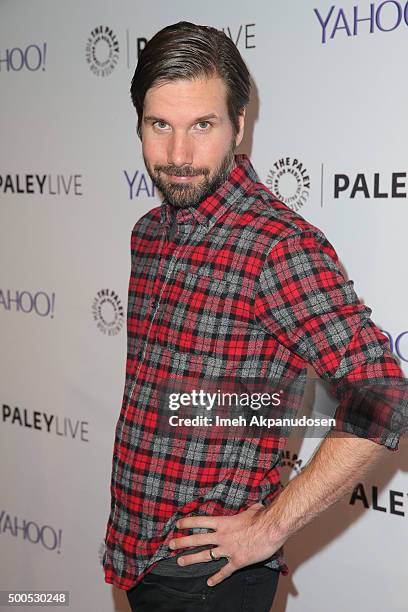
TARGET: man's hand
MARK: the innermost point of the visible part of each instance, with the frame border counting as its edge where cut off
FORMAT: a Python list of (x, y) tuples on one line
[(258, 532), (244, 537)]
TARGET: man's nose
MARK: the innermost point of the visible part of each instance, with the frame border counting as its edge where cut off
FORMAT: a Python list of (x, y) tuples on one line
[(179, 151)]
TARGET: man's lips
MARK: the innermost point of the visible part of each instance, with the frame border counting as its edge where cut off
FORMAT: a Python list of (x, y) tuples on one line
[(179, 179)]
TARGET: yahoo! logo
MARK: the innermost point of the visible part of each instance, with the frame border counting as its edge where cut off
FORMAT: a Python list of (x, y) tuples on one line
[(140, 184), (32, 58), (383, 17), (399, 344), (23, 301), (45, 535)]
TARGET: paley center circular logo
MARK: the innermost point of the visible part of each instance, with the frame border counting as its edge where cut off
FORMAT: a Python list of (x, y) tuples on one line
[(289, 180), (102, 51), (290, 465), (108, 312)]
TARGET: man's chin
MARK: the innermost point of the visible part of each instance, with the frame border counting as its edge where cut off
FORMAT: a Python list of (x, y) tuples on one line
[(181, 195), (182, 200)]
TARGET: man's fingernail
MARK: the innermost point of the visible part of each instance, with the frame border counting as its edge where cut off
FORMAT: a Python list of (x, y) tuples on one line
[(181, 561), (210, 582)]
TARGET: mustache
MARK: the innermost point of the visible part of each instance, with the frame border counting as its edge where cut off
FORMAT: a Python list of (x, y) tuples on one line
[(183, 171)]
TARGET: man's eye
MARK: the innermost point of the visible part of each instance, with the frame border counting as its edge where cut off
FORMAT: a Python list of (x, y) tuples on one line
[(203, 125), (162, 125)]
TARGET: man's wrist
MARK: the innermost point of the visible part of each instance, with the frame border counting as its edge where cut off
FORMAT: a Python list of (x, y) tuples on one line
[(272, 525)]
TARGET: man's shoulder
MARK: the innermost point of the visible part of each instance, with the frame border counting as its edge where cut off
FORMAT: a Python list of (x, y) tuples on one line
[(272, 217), (147, 222)]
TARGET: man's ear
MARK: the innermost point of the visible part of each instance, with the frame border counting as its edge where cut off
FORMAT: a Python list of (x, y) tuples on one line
[(241, 124)]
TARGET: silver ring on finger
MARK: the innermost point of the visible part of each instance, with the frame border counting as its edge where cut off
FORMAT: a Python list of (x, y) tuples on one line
[(213, 557)]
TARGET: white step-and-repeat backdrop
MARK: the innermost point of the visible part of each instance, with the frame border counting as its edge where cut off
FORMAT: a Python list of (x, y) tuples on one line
[(327, 131)]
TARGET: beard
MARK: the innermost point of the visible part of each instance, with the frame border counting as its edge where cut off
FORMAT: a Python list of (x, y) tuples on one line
[(182, 195)]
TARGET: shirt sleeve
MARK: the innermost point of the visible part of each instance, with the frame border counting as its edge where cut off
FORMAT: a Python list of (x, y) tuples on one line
[(305, 302)]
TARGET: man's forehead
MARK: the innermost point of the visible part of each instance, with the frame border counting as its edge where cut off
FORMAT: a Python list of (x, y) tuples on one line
[(184, 97)]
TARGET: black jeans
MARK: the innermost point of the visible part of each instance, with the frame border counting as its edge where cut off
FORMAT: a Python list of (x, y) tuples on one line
[(249, 589)]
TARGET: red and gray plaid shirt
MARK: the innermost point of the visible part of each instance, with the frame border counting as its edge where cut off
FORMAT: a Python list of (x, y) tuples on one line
[(239, 286)]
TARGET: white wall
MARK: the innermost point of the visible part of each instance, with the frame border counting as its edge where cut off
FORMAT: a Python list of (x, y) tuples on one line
[(333, 98)]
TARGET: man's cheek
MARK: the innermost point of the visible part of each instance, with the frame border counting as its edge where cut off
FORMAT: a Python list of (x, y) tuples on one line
[(154, 151)]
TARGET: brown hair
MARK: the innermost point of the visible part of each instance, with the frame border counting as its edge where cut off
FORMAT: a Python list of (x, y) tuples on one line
[(187, 51)]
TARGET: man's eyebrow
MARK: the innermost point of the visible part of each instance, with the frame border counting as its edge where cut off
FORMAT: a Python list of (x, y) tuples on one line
[(197, 120), (206, 117), (152, 118)]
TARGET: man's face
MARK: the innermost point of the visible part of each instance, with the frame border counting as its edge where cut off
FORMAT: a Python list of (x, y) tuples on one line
[(188, 138)]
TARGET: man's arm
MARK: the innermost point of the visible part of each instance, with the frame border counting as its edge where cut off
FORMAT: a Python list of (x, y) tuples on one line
[(305, 302), (340, 461)]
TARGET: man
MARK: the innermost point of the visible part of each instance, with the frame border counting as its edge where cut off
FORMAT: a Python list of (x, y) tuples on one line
[(226, 281)]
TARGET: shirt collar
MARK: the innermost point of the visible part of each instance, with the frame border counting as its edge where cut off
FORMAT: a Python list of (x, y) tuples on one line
[(209, 210)]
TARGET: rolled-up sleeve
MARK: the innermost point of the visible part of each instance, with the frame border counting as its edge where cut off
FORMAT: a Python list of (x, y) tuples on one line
[(304, 300)]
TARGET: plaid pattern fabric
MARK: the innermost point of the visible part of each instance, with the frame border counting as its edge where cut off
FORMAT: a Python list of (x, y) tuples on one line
[(239, 286)]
